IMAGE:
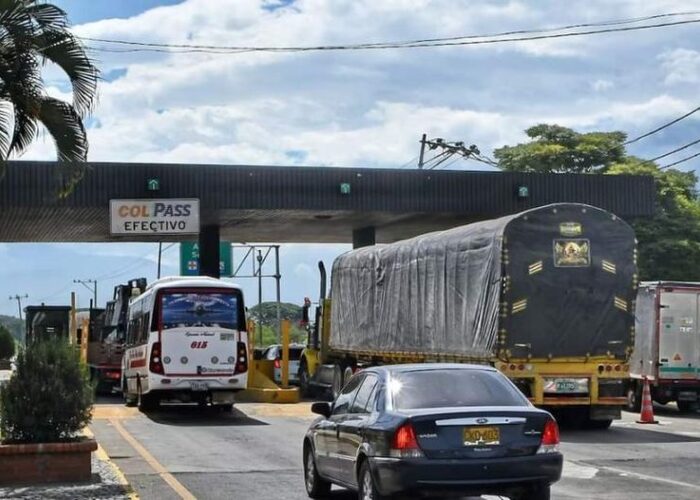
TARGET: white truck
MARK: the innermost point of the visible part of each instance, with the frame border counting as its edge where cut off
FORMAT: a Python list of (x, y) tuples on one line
[(667, 345)]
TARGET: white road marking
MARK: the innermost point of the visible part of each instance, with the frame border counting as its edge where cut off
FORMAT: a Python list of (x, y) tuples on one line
[(578, 471)]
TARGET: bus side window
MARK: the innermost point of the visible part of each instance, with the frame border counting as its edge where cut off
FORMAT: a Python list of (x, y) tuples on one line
[(130, 340), (145, 326)]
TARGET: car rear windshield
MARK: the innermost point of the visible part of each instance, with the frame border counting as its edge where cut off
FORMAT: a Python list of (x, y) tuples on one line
[(209, 309), (453, 388)]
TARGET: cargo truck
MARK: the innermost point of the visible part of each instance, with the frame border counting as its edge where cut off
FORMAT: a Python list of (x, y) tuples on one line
[(546, 296), (667, 345), (105, 330)]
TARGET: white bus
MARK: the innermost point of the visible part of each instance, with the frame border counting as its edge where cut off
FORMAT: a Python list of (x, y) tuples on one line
[(186, 341)]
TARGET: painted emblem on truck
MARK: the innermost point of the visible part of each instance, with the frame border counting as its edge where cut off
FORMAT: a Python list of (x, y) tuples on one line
[(572, 253)]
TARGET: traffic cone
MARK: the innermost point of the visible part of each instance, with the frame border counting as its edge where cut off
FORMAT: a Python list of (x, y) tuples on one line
[(647, 414)]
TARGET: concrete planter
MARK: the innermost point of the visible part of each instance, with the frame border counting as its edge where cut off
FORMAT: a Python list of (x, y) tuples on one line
[(45, 462)]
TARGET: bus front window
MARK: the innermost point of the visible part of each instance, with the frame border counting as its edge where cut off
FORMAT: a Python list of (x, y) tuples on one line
[(187, 310)]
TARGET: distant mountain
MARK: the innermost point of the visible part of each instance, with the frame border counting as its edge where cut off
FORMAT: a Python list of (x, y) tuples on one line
[(15, 325)]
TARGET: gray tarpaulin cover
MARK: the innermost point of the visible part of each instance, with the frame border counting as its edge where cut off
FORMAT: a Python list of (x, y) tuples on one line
[(551, 281), (436, 293)]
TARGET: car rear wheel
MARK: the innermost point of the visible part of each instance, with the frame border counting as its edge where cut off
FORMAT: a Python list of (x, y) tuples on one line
[(146, 402), (537, 492), (316, 486), (367, 489)]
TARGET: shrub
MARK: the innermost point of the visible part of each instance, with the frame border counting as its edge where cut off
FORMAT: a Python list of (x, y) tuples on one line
[(7, 344), (49, 397)]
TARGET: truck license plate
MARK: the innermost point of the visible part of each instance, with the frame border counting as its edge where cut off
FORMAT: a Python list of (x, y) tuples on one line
[(198, 386), (480, 436)]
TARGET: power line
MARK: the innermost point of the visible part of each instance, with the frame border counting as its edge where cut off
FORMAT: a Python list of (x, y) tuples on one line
[(682, 160), (409, 162), (659, 129), (686, 146), (434, 42)]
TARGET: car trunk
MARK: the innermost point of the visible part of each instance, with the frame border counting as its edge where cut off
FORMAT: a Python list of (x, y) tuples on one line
[(479, 433)]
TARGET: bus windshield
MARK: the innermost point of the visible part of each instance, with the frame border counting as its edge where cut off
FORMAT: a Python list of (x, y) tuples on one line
[(203, 309)]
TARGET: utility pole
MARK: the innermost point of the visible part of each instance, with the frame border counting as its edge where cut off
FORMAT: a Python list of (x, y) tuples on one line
[(160, 252), (422, 150), (447, 150), (19, 298), (93, 289)]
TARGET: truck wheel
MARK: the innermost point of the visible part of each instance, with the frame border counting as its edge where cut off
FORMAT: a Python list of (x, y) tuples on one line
[(304, 381), (599, 424), (347, 374), (337, 382), (634, 399), (686, 406)]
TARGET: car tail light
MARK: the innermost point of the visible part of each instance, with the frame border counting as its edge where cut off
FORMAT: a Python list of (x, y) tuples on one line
[(156, 365), (278, 365), (550, 438), (241, 358), (404, 443)]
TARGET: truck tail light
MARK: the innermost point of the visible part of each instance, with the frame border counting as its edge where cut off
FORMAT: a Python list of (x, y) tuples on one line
[(156, 364)]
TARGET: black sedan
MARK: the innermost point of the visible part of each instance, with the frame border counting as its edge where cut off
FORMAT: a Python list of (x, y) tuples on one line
[(432, 430)]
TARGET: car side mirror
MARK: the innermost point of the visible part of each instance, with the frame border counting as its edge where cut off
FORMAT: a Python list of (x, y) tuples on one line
[(322, 408)]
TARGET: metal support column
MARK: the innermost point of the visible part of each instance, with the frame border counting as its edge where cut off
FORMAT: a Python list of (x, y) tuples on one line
[(363, 237)]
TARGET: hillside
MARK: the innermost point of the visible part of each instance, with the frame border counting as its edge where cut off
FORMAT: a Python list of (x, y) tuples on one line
[(15, 325)]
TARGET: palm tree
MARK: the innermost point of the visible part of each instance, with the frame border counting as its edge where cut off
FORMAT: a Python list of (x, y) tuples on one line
[(33, 33)]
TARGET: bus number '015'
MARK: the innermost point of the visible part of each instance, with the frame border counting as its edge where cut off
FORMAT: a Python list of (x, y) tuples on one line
[(199, 344)]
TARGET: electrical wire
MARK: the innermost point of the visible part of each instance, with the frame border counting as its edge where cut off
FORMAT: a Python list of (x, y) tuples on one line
[(409, 162), (662, 127), (682, 160), (686, 146), (434, 42)]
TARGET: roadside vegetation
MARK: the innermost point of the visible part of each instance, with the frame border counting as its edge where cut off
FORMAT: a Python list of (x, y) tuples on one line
[(49, 397), (669, 241), (266, 314)]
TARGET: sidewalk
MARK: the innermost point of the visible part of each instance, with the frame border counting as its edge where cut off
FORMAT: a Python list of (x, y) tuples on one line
[(107, 483)]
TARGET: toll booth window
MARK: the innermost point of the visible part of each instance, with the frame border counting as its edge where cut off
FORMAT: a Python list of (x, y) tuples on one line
[(187, 310)]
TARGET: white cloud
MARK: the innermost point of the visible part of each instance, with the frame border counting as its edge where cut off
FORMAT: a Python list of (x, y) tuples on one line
[(681, 66), (602, 85)]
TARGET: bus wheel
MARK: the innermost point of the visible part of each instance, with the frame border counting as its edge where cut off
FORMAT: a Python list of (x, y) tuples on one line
[(145, 402), (129, 400)]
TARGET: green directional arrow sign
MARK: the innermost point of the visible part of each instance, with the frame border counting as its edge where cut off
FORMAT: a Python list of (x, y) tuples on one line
[(189, 259)]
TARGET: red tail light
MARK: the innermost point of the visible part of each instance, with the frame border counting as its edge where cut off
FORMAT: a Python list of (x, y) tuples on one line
[(550, 438), (156, 364), (404, 444), (241, 358), (278, 365)]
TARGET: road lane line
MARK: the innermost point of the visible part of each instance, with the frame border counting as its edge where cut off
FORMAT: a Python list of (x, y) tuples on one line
[(650, 478), (150, 460), (102, 455)]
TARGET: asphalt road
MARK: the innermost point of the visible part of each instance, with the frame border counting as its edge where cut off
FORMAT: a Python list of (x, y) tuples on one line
[(182, 452)]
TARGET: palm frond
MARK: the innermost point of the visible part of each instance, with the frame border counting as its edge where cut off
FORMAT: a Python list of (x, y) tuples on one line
[(63, 49), (6, 119), (66, 127), (48, 16)]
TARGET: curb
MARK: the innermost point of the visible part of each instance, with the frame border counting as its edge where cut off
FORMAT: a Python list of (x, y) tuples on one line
[(102, 455)]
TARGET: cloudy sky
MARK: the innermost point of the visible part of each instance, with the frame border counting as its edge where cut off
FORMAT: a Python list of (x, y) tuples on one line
[(350, 108)]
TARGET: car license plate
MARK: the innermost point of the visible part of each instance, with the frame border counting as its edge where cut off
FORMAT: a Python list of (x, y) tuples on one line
[(479, 436), (198, 386)]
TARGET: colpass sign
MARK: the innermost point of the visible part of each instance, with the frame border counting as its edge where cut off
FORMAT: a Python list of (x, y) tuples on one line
[(154, 216)]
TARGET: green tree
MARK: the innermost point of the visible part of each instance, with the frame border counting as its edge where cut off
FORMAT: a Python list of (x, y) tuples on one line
[(7, 344), (32, 34), (559, 149), (669, 241), (49, 397)]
